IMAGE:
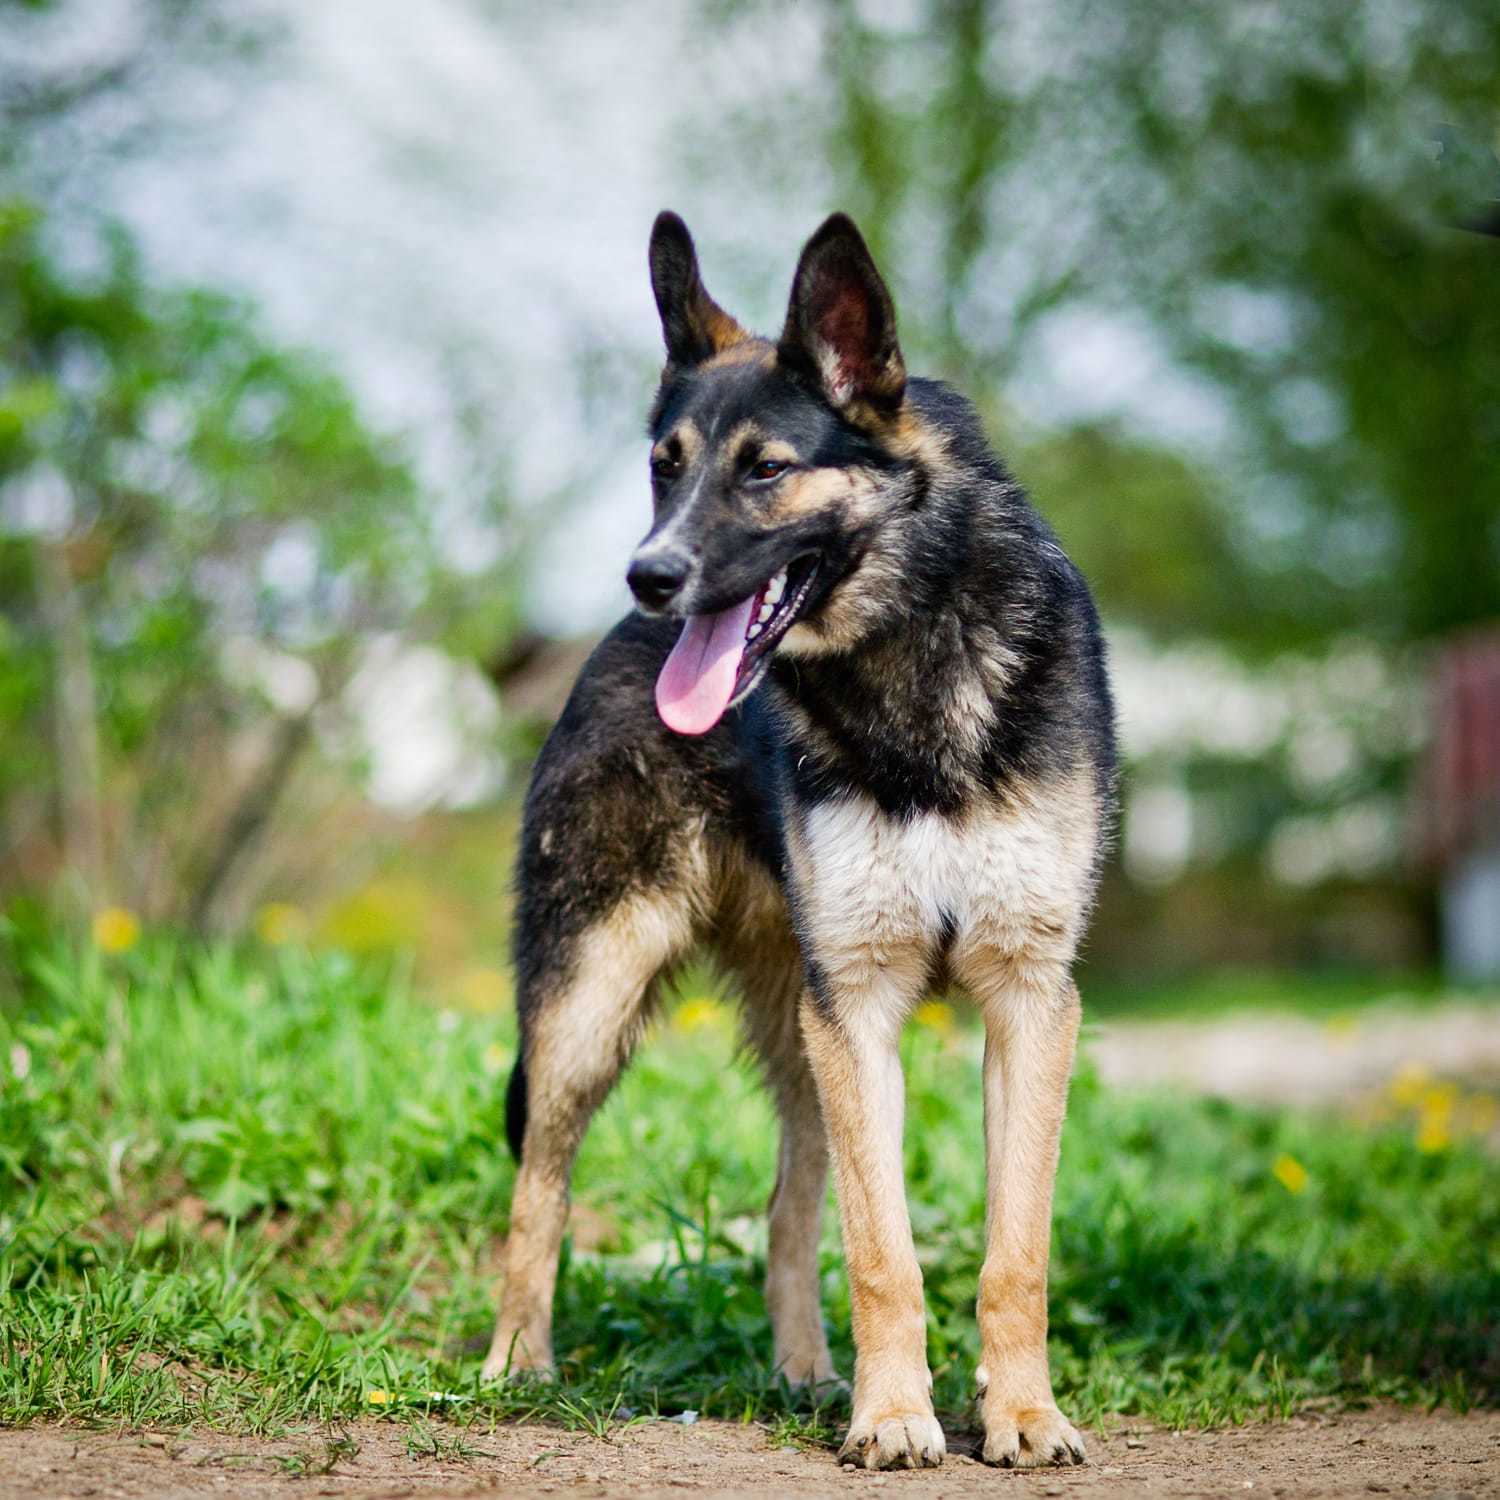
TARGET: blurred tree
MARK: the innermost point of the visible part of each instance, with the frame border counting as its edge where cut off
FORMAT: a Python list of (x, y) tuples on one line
[(207, 560), (196, 534), (1257, 182)]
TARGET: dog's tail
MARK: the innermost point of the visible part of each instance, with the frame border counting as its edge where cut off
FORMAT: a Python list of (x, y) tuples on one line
[(515, 1106)]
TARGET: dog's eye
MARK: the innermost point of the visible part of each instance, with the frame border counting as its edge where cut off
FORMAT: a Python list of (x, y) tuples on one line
[(665, 467), (768, 468)]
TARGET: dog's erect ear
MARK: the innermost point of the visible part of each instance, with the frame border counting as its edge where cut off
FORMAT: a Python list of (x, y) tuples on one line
[(841, 325), (693, 324)]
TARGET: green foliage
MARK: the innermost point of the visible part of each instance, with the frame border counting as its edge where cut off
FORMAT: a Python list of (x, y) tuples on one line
[(255, 1188), (1149, 528), (167, 426), (198, 532)]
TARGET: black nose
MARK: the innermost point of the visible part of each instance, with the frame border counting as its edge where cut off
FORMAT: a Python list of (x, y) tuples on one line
[(656, 580)]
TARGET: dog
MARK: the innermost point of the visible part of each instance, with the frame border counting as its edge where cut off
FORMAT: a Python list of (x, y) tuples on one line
[(857, 743)]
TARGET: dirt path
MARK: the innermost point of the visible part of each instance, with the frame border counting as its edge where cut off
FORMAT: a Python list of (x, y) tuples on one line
[(1357, 1454), (1274, 1058)]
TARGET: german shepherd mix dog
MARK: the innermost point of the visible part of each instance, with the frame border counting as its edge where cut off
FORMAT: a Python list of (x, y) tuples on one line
[(879, 760)]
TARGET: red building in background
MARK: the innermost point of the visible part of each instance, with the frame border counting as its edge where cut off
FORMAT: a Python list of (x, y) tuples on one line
[(1462, 808)]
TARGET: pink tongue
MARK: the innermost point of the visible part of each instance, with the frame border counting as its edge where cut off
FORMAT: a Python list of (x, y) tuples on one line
[(697, 679)]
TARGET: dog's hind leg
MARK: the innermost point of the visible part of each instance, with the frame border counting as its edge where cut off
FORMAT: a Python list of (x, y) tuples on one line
[(793, 1287), (582, 1015), (793, 1290), (1031, 1014)]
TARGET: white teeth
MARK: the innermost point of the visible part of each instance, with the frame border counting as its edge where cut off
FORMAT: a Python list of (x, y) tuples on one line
[(768, 602)]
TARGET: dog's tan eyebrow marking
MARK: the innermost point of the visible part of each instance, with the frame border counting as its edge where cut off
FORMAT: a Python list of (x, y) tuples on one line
[(685, 438), (782, 452), (740, 439), (748, 440)]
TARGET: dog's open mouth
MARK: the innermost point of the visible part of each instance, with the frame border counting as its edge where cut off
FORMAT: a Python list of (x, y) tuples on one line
[(719, 659)]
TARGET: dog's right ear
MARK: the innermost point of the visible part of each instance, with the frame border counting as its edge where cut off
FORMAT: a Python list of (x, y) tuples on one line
[(693, 324)]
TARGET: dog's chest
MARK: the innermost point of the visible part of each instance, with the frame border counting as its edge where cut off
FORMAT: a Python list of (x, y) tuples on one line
[(997, 875)]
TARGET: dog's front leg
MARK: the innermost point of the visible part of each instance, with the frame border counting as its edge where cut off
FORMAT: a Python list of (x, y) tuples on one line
[(1031, 1017), (852, 1047)]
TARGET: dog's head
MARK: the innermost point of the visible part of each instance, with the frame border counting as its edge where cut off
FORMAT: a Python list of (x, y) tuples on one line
[(773, 466)]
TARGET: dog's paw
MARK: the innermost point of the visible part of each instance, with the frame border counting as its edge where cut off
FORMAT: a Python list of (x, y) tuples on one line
[(894, 1440), (494, 1370), (513, 1358), (813, 1377), (819, 1391), (1030, 1437)]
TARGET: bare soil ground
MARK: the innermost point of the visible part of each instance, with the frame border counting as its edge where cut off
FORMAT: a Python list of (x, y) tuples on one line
[(1354, 1454)]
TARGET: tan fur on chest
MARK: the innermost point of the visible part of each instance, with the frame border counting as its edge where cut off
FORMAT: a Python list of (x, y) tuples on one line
[(1013, 878)]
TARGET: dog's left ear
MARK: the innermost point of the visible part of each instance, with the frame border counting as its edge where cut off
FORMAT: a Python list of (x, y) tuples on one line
[(694, 326), (841, 325)]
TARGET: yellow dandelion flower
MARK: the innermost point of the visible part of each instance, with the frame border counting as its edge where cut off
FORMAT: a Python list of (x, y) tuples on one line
[(1439, 1100), (1290, 1173), (494, 1058), (693, 1015), (1434, 1131), (935, 1014), (279, 922), (378, 1398), (1408, 1086), (116, 930), (484, 990)]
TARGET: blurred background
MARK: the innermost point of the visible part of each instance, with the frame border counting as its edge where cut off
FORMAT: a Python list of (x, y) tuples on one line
[(326, 339)]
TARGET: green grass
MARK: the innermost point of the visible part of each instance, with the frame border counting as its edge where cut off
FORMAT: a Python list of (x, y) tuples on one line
[(1322, 995), (254, 1189)]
